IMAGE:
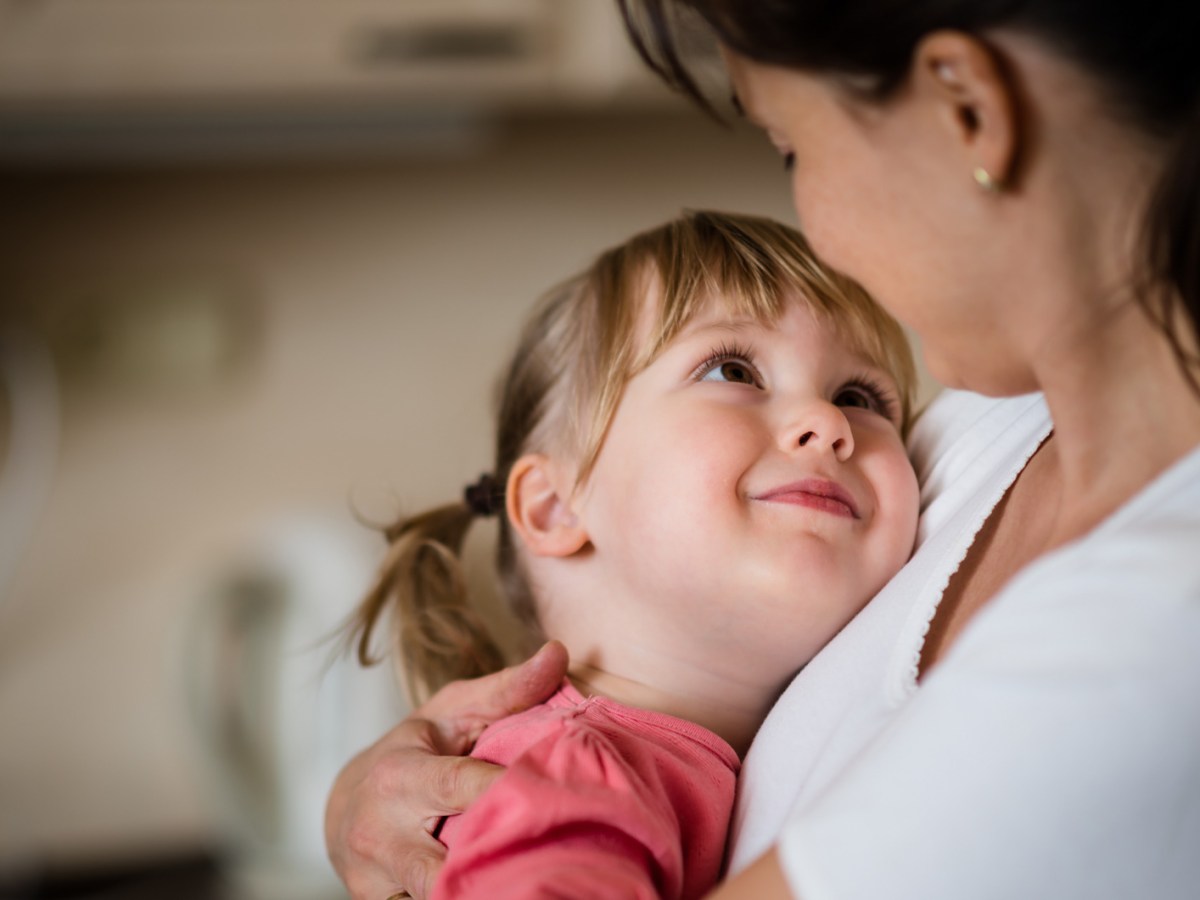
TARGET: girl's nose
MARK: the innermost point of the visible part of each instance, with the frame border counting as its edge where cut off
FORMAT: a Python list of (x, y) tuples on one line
[(821, 427)]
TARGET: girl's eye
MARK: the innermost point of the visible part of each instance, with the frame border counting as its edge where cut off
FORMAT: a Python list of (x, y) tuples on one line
[(732, 370), (867, 395), (729, 365), (854, 397)]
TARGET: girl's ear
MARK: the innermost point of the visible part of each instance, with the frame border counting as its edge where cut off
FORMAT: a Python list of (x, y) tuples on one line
[(537, 506), (978, 98)]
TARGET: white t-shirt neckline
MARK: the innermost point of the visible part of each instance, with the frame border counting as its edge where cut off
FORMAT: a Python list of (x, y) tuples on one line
[(967, 451)]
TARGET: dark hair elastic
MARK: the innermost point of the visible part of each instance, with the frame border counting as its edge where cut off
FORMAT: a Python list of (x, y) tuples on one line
[(482, 498)]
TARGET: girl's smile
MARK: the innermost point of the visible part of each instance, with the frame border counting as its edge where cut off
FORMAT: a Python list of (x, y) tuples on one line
[(814, 493)]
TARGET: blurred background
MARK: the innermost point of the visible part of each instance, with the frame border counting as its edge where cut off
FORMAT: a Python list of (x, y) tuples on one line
[(260, 262)]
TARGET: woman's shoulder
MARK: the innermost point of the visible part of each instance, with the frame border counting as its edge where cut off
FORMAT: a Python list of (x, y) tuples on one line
[(954, 418), (963, 436)]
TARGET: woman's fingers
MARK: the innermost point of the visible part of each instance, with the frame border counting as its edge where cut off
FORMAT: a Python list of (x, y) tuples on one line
[(463, 709), (414, 873), (425, 785), (421, 869), (387, 801), (386, 804)]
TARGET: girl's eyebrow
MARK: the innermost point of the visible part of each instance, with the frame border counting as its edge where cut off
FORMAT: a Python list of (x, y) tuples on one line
[(732, 324)]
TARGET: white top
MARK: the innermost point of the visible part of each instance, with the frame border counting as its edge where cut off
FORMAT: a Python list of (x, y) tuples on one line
[(1054, 751)]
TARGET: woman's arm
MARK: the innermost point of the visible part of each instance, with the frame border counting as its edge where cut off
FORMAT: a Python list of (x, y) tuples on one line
[(761, 880), (386, 801)]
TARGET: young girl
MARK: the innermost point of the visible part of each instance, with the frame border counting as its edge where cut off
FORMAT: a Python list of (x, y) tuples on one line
[(700, 478)]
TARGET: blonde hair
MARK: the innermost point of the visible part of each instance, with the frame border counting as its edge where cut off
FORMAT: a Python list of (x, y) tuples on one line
[(584, 341)]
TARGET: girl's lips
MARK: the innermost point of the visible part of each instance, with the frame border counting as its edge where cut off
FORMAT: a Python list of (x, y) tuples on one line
[(815, 493)]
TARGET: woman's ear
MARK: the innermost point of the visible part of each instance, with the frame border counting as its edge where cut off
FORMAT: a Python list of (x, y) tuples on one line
[(537, 502), (978, 100)]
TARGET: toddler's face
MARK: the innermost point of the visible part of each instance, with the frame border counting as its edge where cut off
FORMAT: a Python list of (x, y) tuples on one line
[(754, 485)]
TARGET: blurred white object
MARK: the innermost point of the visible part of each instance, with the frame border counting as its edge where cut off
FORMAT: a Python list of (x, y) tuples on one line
[(28, 379), (279, 712)]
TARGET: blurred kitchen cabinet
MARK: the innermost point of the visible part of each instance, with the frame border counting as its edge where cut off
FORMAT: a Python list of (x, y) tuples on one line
[(123, 54)]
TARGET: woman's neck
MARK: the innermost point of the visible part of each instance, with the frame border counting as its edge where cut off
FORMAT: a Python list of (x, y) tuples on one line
[(1123, 413), (1122, 409)]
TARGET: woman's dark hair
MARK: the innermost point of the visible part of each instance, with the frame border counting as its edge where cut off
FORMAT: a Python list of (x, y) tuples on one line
[(1144, 55)]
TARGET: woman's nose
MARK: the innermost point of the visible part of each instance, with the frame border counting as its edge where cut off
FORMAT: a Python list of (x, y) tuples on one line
[(820, 427)]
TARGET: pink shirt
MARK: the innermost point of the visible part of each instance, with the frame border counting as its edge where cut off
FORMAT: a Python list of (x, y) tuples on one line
[(599, 800)]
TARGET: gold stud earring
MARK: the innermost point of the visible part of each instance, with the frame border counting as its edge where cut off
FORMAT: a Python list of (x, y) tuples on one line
[(984, 179)]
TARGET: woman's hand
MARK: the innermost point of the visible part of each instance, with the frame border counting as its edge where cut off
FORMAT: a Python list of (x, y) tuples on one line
[(762, 880), (387, 800)]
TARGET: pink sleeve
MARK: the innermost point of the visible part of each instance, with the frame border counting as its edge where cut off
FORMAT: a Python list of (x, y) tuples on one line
[(570, 818)]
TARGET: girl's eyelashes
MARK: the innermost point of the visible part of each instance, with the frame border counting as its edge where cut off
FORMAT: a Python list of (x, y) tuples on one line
[(870, 394), (734, 364), (730, 364)]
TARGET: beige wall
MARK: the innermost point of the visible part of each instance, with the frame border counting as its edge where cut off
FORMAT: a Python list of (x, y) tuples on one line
[(385, 296)]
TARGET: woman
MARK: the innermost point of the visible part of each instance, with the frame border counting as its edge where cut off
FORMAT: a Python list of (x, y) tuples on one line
[(1016, 714)]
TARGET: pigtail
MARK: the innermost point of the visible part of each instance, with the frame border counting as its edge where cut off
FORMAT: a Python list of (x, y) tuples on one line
[(439, 638)]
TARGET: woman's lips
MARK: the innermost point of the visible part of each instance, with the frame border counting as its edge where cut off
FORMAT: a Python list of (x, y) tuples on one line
[(815, 493)]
